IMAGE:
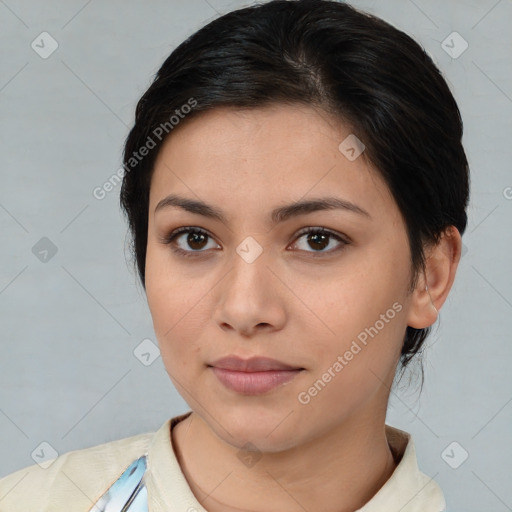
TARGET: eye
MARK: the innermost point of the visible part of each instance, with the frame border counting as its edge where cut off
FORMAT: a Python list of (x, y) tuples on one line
[(319, 239), (196, 240)]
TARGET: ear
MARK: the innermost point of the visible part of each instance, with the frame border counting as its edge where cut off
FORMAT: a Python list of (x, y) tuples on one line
[(432, 289)]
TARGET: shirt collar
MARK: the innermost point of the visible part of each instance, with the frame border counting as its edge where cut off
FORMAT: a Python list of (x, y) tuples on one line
[(407, 490)]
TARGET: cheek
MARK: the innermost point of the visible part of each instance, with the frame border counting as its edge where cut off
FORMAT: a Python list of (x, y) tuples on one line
[(178, 327), (362, 312), (179, 310), (358, 361)]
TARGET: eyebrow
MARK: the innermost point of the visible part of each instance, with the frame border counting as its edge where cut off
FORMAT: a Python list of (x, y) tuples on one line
[(277, 215)]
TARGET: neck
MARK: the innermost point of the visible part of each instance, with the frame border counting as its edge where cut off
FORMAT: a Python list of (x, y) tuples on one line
[(337, 472)]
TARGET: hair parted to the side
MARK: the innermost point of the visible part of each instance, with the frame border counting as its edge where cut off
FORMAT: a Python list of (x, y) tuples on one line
[(354, 66)]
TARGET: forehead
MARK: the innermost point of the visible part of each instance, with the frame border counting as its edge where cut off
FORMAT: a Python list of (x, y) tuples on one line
[(251, 157)]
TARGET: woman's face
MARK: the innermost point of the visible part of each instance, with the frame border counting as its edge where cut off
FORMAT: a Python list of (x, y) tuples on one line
[(332, 306)]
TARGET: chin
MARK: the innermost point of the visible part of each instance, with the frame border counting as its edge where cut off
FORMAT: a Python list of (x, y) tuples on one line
[(267, 430)]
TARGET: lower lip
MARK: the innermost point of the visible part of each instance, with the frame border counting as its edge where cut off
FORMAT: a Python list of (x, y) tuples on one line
[(253, 383)]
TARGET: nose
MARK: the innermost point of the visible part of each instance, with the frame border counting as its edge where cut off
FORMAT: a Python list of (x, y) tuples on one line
[(251, 299)]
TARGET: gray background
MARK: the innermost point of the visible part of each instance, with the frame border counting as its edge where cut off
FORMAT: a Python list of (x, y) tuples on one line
[(69, 325)]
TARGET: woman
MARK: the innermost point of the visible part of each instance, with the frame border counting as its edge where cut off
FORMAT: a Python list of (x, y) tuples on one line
[(296, 189)]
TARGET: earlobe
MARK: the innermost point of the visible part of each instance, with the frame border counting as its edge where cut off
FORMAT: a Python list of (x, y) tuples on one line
[(432, 289)]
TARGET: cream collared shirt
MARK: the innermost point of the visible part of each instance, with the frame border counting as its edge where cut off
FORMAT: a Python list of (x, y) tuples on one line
[(75, 480)]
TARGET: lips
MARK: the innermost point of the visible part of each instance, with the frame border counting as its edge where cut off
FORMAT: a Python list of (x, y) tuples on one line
[(253, 376), (253, 364)]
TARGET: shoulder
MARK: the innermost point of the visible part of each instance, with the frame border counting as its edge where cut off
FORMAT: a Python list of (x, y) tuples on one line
[(74, 480)]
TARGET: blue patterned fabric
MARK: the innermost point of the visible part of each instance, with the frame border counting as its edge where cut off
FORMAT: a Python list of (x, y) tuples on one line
[(128, 493)]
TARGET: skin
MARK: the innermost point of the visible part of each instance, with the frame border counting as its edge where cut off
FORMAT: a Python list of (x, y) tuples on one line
[(295, 303)]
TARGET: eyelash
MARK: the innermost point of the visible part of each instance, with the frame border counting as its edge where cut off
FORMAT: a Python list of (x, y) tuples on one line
[(316, 231)]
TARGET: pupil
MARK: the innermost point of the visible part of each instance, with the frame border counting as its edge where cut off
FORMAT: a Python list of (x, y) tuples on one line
[(318, 239), (192, 239)]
